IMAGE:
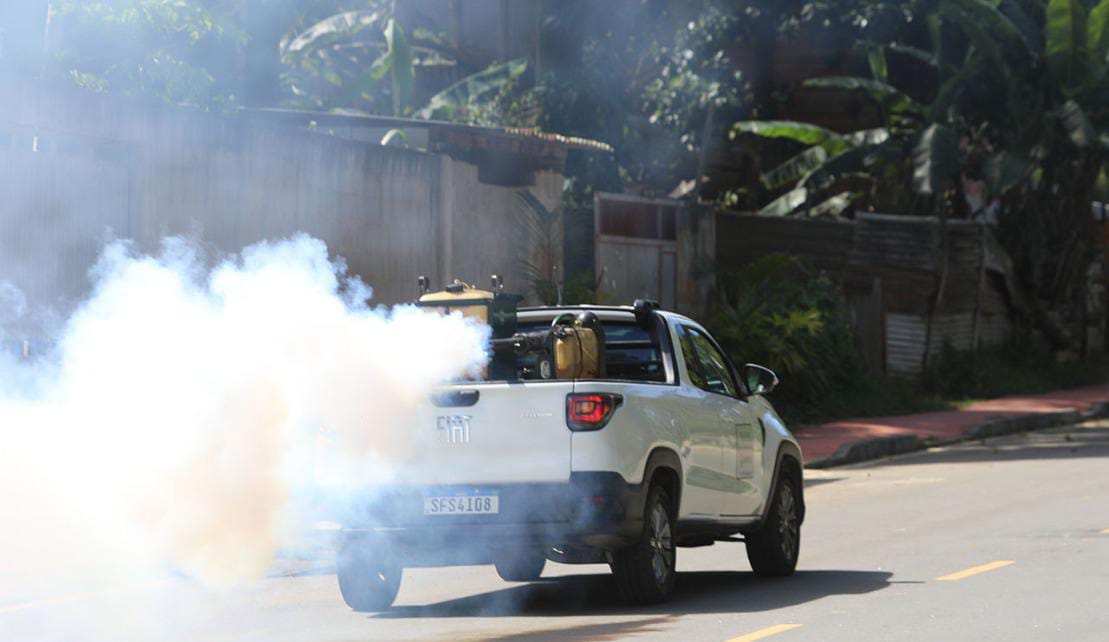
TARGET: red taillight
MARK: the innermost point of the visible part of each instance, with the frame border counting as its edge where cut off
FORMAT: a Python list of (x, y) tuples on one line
[(590, 411)]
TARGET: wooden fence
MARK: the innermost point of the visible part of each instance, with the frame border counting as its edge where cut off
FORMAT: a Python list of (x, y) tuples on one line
[(904, 299)]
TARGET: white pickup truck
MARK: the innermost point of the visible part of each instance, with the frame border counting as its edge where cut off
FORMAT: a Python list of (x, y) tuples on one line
[(670, 446)]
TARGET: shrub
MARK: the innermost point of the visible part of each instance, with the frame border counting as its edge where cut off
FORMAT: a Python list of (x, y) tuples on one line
[(1001, 371), (782, 314)]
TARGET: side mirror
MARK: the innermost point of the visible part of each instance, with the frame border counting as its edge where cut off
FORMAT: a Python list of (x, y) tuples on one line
[(759, 380)]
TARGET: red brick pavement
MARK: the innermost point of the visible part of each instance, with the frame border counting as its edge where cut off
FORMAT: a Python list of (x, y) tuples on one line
[(820, 441)]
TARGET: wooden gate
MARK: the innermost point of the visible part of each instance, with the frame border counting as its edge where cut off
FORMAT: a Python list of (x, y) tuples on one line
[(637, 248)]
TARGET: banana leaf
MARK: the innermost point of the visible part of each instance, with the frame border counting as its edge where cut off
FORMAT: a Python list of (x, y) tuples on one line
[(935, 160), (1003, 171), (467, 92), (327, 31), (401, 65), (1097, 35), (803, 133), (787, 203), (1066, 43), (794, 168), (887, 95), (1077, 125)]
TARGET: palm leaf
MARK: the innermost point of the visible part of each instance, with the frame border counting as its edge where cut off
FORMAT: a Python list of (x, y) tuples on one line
[(985, 41), (989, 17), (401, 65), (875, 136), (1078, 126), (834, 206), (804, 133), (327, 31), (787, 203), (1097, 34), (927, 57), (1066, 42), (794, 168), (879, 68), (469, 91), (885, 94), (935, 160), (1030, 30), (1003, 171)]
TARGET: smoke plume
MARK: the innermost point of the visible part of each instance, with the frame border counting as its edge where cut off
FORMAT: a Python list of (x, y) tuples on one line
[(173, 422)]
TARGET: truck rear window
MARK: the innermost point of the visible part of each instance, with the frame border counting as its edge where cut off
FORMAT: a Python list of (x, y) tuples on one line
[(630, 353)]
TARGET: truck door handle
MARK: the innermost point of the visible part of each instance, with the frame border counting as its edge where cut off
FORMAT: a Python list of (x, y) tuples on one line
[(455, 398)]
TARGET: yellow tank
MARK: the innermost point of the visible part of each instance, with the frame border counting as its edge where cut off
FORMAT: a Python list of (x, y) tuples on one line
[(461, 297), (577, 354)]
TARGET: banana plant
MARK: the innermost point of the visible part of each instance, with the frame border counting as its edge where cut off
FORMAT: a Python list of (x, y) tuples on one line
[(347, 56), (922, 148), (365, 60)]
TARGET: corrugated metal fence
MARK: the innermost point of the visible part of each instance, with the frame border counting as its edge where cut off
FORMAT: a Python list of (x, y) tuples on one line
[(904, 299)]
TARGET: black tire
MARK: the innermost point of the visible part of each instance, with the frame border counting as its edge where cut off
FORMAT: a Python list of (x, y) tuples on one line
[(645, 572), (774, 548), (521, 565), (366, 582)]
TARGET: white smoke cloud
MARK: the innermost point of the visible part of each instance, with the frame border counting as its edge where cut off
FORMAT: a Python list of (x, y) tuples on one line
[(173, 423)]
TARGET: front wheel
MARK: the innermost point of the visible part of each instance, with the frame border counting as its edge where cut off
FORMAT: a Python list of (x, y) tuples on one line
[(773, 550), (645, 572), (367, 582)]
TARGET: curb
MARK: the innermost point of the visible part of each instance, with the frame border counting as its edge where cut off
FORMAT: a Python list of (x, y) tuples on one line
[(868, 449)]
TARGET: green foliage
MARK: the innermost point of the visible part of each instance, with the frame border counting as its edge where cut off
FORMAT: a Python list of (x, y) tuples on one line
[(174, 50), (581, 289), (540, 247), (397, 61), (364, 60), (352, 59), (779, 313), (935, 160), (803, 133), (1066, 42), (465, 100), (1004, 371)]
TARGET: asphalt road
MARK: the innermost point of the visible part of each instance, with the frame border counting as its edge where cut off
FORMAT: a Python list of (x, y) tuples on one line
[(1006, 540)]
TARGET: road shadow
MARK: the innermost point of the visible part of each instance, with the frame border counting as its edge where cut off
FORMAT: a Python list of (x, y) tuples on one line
[(592, 632), (1072, 442), (811, 481), (696, 592)]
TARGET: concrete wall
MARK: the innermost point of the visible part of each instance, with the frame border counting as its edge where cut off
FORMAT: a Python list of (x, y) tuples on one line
[(77, 169)]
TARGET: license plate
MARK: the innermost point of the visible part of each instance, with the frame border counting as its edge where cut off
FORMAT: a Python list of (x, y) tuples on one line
[(472, 503)]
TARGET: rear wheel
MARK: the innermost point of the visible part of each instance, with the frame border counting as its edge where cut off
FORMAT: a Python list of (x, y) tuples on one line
[(521, 565), (773, 550), (367, 582), (645, 572)]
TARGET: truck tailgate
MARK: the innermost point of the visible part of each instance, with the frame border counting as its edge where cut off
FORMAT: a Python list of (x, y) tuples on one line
[(492, 433)]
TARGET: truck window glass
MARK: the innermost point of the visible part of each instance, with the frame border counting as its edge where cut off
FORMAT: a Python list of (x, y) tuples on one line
[(689, 356), (630, 352), (714, 367)]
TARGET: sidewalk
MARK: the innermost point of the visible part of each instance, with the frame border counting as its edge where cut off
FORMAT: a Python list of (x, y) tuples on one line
[(851, 440)]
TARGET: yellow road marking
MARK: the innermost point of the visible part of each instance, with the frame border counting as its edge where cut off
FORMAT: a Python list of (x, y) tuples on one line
[(765, 633), (975, 570)]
